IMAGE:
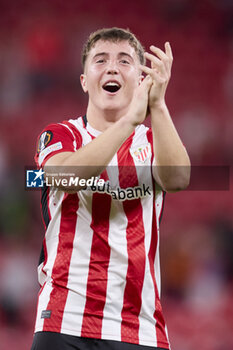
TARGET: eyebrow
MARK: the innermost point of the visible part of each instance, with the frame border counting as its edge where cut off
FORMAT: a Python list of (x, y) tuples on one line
[(126, 54), (120, 54), (100, 54)]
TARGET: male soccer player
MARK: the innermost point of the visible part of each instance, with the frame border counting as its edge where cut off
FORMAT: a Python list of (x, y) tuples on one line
[(99, 267)]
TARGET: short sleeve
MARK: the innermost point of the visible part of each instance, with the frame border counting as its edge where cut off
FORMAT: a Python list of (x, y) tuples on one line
[(54, 139)]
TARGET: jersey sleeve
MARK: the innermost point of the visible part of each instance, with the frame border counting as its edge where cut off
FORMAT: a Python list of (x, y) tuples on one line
[(54, 139)]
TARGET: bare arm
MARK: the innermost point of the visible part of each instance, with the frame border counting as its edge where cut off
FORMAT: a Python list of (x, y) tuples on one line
[(172, 170)]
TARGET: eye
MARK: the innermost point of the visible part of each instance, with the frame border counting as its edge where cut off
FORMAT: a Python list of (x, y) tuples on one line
[(101, 60), (124, 62)]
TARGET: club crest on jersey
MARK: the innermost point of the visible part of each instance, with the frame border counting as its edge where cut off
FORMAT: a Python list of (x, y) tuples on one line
[(142, 153), (44, 139)]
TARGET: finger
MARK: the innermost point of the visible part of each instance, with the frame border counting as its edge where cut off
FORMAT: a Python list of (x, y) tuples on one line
[(168, 50), (152, 73), (167, 60), (156, 62), (158, 52), (147, 81), (146, 70)]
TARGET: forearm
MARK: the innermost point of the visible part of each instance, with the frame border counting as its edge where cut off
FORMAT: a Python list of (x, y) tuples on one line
[(172, 161), (90, 160), (101, 150)]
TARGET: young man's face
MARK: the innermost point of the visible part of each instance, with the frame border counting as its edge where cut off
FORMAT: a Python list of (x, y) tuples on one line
[(111, 75)]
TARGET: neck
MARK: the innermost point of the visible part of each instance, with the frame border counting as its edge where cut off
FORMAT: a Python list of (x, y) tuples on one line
[(101, 119)]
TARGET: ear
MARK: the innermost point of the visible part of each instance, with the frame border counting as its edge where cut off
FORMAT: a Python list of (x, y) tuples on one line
[(83, 81)]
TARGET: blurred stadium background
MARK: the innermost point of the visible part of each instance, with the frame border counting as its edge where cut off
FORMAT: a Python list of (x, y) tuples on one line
[(40, 45)]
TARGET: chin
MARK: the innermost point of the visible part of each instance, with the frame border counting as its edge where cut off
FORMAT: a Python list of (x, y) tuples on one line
[(115, 106), (111, 107)]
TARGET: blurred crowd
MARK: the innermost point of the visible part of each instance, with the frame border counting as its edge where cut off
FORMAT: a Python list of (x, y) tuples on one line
[(40, 48)]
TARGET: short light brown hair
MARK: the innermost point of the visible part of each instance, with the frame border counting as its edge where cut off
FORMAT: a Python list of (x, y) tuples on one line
[(113, 34)]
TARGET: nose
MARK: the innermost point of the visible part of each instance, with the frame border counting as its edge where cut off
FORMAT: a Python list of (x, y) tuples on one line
[(112, 68)]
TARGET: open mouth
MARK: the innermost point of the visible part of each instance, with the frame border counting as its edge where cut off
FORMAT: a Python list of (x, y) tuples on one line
[(111, 86)]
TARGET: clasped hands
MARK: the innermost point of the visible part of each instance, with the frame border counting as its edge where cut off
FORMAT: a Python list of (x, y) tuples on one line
[(159, 73), (150, 93)]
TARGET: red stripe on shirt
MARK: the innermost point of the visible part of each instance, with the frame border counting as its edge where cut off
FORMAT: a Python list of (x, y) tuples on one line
[(61, 266), (149, 136), (135, 235), (76, 132), (98, 267), (160, 323)]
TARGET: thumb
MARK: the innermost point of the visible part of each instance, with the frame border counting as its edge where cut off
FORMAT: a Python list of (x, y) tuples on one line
[(147, 82)]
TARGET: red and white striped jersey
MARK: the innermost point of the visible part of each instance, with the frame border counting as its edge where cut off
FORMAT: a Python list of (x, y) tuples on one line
[(99, 270)]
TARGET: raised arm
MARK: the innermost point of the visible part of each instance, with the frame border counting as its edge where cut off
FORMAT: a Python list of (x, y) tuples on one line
[(172, 168)]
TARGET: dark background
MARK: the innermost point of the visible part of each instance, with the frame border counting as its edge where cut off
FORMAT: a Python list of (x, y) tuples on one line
[(40, 45)]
